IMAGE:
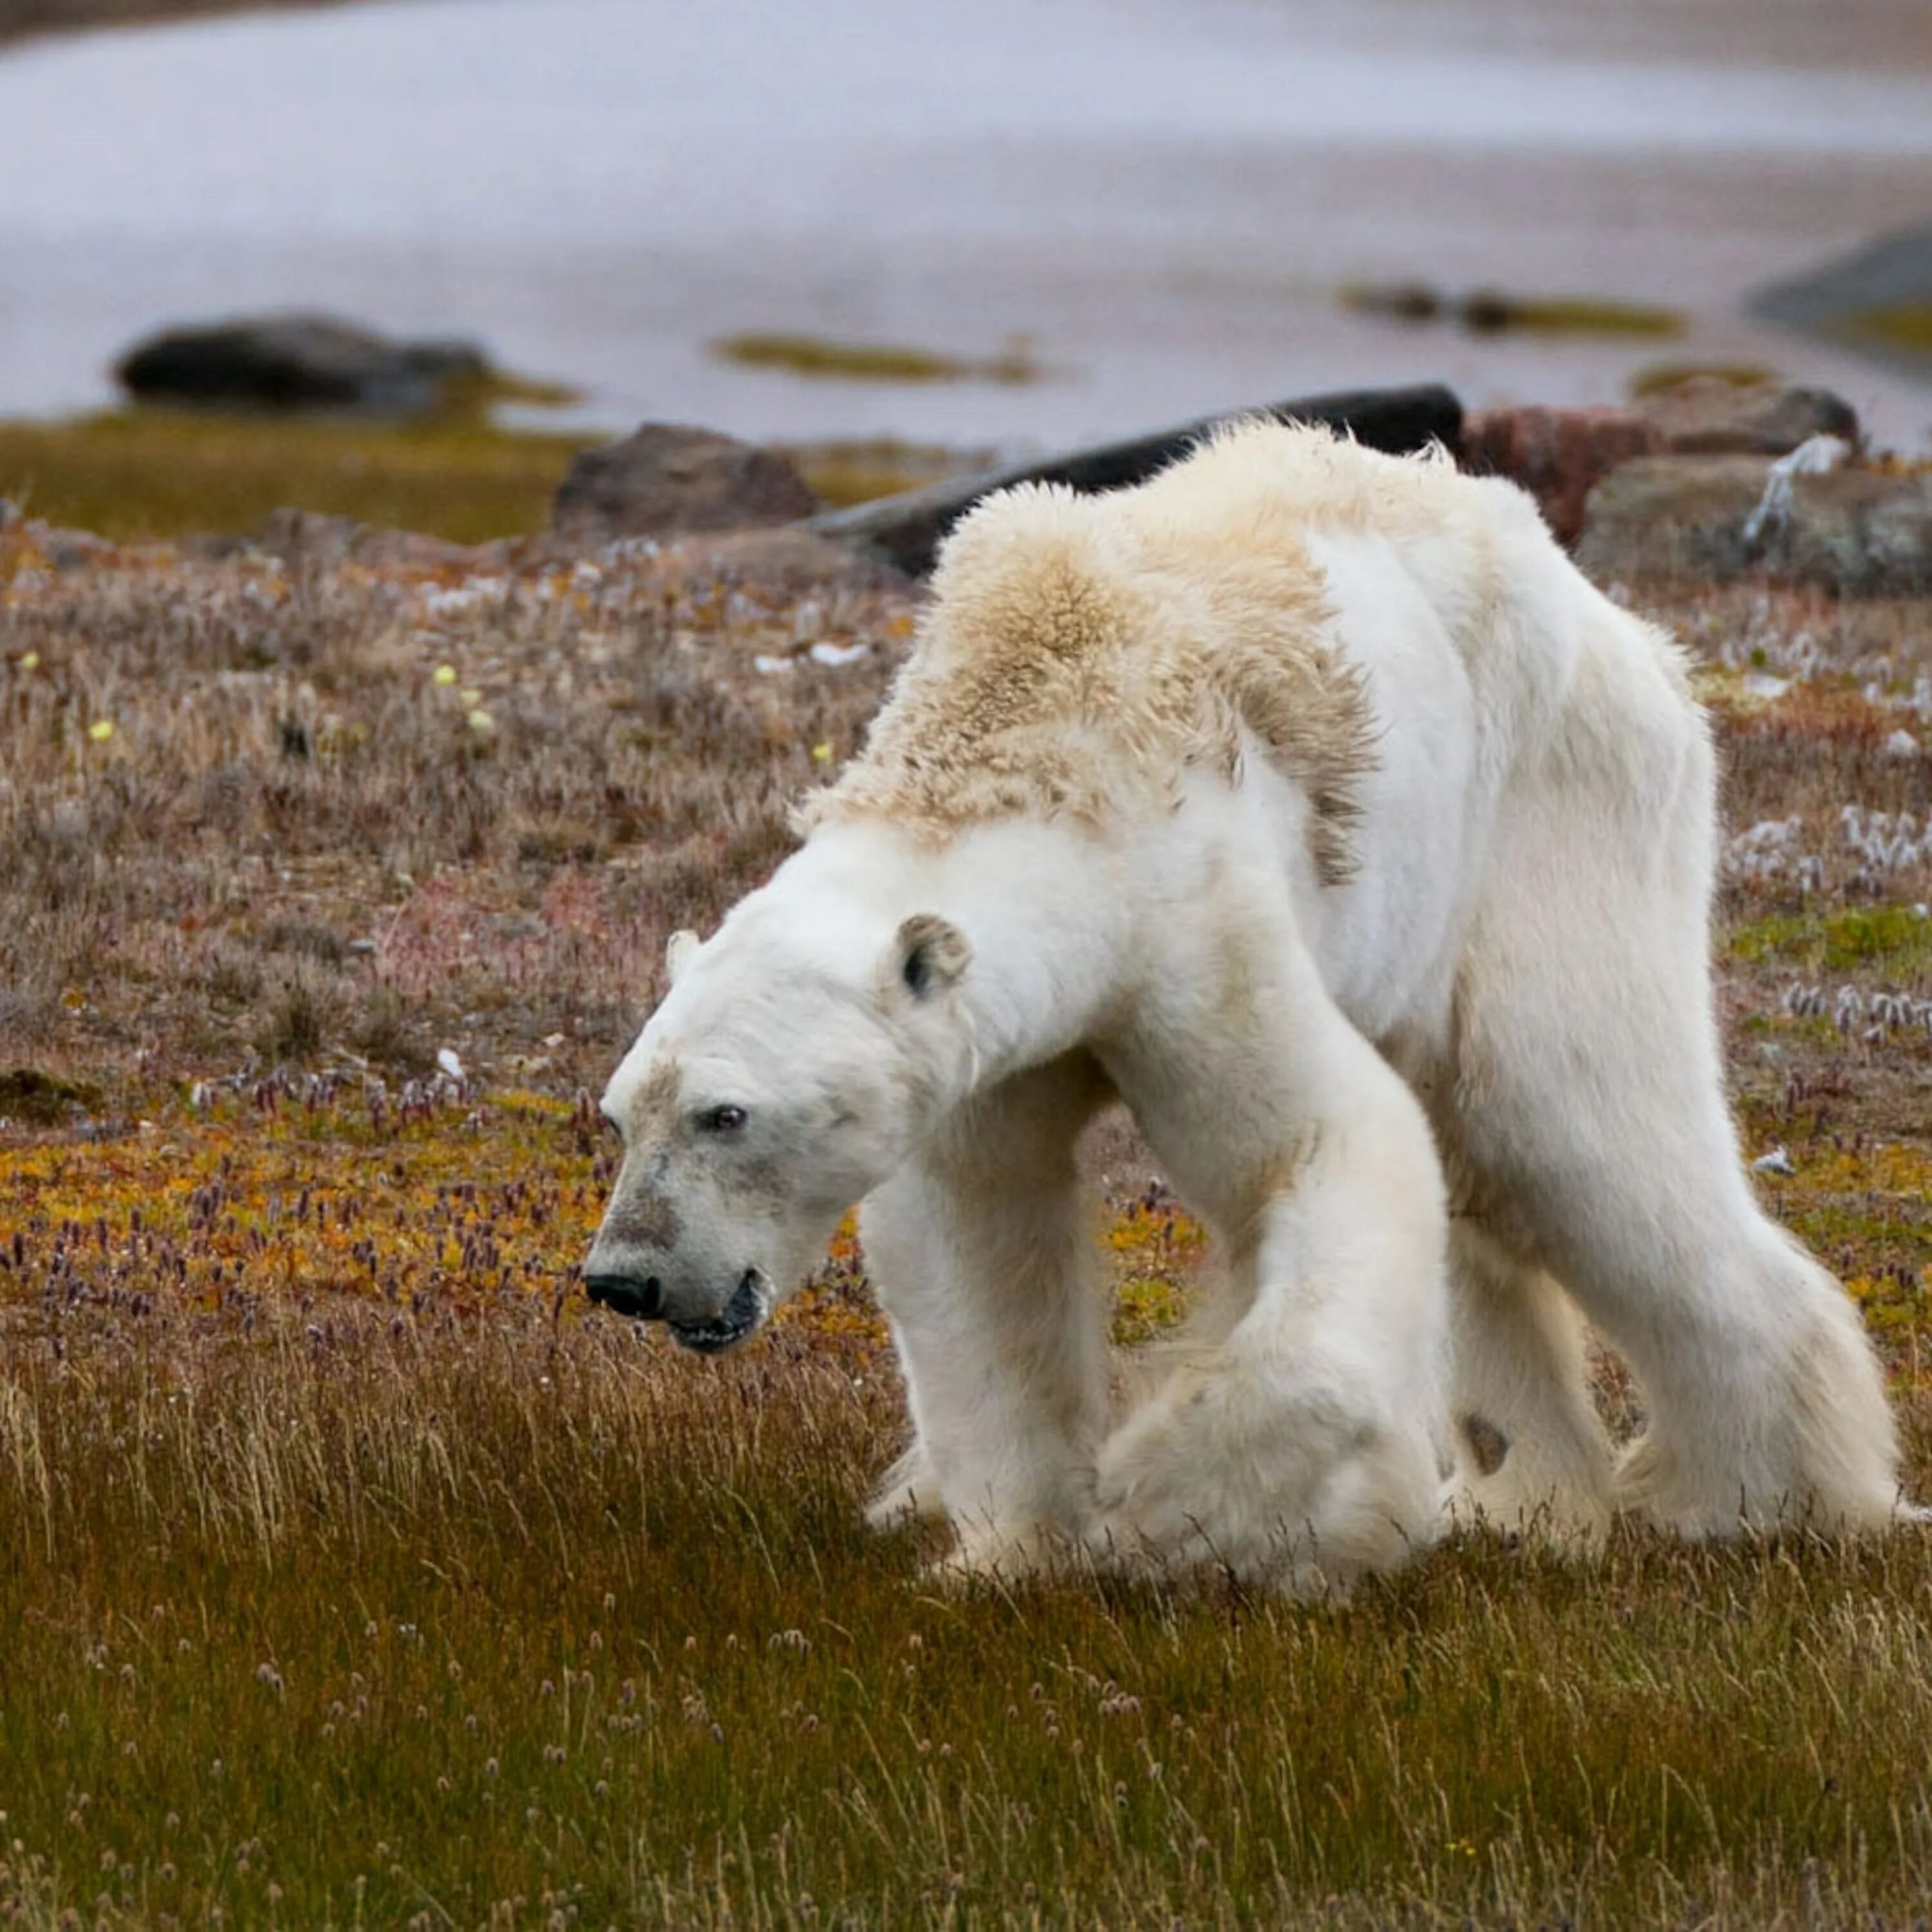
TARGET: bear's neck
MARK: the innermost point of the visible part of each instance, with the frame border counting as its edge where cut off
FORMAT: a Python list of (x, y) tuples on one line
[(1044, 906)]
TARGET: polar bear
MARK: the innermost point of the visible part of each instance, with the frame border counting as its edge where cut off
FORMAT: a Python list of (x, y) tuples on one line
[(1310, 802)]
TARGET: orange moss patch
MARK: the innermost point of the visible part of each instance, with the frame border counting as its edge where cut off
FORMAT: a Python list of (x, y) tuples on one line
[(268, 1202), (1157, 1250)]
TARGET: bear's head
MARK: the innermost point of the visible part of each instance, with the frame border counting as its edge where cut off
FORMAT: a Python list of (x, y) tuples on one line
[(776, 1083)]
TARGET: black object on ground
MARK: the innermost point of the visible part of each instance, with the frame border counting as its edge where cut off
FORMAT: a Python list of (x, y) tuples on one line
[(906, 530)]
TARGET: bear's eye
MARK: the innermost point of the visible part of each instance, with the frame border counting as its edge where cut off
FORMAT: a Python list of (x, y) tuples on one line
[(726, 1119)]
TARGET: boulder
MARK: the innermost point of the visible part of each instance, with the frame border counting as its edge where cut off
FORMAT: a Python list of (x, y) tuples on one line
[(906, 530), (1712, 415), (666, 478), (298, 362), (1860, 532), (1558, 455)]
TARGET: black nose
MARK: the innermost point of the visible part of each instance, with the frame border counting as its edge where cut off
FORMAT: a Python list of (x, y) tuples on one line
[(639, 1300)]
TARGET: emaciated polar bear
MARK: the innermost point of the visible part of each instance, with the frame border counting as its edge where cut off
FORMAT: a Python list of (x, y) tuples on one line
[(1308, 800)]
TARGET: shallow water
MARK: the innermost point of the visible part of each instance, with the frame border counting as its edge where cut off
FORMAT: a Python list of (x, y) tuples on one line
[(1164, 200)]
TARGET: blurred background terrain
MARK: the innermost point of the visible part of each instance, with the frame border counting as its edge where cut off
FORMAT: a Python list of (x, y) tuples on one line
[(1006, 224)]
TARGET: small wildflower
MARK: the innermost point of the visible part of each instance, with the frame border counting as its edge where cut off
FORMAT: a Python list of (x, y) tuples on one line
[(821, 755), (101, 730), (445, 673), (482, 723), (31, 662)]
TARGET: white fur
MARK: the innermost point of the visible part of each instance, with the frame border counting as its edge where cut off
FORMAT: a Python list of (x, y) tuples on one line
[(1519, 960)]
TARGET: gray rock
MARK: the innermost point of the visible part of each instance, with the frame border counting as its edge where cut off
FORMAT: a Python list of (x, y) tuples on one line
[(1710, 416), (298, 362), (11, 513), (1667, 519), (666, 478), (1866, 532)]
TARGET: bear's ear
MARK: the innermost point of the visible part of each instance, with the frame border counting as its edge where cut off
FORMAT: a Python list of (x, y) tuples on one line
[(928, 954), (679, 950)]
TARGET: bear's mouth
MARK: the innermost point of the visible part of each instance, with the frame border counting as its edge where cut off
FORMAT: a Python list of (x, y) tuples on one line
[(741, 1316)]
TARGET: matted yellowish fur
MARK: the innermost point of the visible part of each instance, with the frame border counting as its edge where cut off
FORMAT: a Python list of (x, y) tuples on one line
[(1080, 653)]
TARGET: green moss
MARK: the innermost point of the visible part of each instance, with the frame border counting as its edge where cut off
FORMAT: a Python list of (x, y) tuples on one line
[(1488, 311), (145, 474), (817, 357), (1904, 326), (1894, 939), (1146, 1306), (1657, 377)]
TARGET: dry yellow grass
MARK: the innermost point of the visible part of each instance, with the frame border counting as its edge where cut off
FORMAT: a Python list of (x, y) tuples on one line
[(139, 474)]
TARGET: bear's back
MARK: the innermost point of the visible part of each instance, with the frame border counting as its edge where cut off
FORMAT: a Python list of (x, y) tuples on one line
[(1079, 653)]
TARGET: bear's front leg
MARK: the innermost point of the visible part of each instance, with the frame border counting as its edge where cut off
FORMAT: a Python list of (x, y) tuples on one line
[(981, 1252), (1312, 1443)]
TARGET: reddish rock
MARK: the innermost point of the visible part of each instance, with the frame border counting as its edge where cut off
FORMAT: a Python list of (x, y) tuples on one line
[(1558, 455)]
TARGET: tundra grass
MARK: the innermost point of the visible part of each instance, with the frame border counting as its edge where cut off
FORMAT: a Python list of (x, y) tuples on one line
[(354, 1571), (140, 474), (1896, 939), (357, 1573)]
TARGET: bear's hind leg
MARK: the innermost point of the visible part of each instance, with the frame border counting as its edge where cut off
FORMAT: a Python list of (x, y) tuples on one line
[(1586, 1095)]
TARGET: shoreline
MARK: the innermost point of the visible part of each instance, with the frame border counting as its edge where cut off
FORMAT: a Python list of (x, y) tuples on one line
[(24, 21)]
